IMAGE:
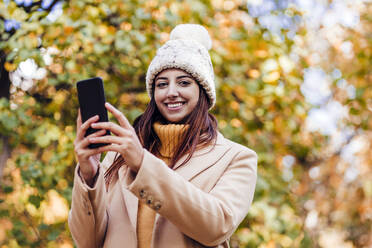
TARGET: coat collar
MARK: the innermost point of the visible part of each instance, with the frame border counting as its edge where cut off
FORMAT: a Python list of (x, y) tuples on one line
[(202, 159)]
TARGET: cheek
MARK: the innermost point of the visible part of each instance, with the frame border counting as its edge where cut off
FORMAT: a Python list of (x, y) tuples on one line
[(195, 100), (157, 98), (196, 94)]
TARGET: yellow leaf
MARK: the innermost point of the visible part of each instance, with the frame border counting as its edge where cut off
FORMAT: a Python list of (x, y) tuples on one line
[(286, 64), (66, 245), (126, 26), (92, 11), (261, 53), (5, 226), (240, 91), (59, 98), (57, 116), (125, 98), (222, 124), (253, 73), (234, 105), (102, 30), (55, 208), (56, 68), (236, 123), (9, 66), (62, 184), (271, 77), (68, 30)]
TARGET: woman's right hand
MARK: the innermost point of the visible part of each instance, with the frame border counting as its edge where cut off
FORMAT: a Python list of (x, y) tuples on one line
[(88, 159)]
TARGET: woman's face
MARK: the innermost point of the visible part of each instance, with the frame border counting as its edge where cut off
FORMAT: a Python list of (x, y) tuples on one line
[(176, 94)]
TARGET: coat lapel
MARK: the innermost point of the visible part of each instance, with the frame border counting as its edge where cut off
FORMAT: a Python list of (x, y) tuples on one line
[(202, 159)]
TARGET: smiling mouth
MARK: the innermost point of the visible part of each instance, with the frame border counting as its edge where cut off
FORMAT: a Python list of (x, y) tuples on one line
[(174, 105)]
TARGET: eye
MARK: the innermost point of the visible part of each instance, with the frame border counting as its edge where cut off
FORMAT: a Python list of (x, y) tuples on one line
[(184, 83), (161, 84)]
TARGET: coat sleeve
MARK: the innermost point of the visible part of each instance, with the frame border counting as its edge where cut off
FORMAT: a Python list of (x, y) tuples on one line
[(207, 217), (88, 218)]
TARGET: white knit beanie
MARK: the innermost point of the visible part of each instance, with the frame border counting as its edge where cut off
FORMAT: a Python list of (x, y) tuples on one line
[(187, 50)]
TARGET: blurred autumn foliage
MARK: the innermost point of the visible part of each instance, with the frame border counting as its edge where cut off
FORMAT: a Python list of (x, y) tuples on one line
[(315, 184)]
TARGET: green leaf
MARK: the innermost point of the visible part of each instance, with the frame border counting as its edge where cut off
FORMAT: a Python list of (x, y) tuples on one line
[(35, 200), (8, 189), (10, 122), (4, 213), (53, 235)]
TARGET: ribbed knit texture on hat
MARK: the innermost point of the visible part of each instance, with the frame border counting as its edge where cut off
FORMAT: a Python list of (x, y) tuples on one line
[(186, 50)]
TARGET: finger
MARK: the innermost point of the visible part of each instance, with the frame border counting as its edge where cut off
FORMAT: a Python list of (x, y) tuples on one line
[(97, 133), (107, 139), (85, 142), (112, 147), (123, 121), (78, 121), (115, 128), (84, 127), (92, 152), (82, 144)]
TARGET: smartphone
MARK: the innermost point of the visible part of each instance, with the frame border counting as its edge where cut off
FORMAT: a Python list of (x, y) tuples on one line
[(92, 100)]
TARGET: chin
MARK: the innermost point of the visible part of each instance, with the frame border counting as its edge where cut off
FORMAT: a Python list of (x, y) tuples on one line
[(180, 120), (176, 121)]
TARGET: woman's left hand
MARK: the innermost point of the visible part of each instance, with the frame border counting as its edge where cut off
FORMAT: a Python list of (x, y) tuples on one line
[(124, 140)]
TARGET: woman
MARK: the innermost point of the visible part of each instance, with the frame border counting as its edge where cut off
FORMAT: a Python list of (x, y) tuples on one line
[(172, 180)]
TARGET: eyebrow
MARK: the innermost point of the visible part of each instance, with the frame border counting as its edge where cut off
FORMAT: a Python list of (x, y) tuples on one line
[(179, 77)]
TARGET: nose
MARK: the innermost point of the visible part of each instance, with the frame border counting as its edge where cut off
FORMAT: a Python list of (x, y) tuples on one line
[(172, 90)]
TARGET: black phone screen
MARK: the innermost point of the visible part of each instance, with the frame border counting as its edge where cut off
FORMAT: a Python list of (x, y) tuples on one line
[(92, 100)]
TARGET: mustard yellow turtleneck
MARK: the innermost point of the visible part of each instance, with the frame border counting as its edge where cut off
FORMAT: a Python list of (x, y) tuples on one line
[(170, 135)]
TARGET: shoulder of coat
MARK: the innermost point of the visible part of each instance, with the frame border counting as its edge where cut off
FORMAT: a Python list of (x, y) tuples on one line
[(236, 147)]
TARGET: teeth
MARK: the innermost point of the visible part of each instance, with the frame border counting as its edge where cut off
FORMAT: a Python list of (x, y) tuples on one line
[(174, 105)]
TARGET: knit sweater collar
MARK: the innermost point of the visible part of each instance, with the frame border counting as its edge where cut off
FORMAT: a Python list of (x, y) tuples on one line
[(170, 135)]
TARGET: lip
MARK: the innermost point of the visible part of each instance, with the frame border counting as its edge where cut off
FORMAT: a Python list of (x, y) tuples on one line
[(174, 108)]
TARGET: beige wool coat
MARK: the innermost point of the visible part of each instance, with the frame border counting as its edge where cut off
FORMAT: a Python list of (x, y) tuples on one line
[(199, 204)]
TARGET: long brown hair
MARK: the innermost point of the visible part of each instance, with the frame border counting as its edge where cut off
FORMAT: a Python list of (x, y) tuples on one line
[(202, 131)]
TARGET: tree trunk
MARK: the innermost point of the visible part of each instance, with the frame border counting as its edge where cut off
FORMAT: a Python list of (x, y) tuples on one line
[(4, 77), (4, 92), (4, 154)]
